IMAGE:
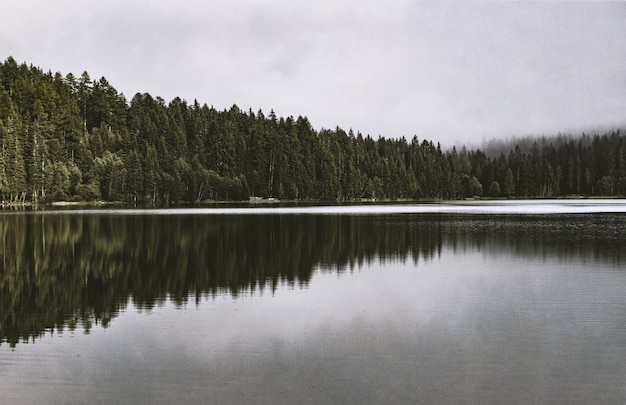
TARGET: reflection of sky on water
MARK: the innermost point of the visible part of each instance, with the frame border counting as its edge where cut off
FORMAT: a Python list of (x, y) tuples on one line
[(462, 327), (513, 207)]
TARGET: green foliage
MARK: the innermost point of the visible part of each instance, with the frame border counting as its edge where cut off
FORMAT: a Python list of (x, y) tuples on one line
[(509, 185), (470, 186), (494, 189), (75, 138)]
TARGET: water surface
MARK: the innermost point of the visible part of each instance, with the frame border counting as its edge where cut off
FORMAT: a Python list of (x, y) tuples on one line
[(371, 304)]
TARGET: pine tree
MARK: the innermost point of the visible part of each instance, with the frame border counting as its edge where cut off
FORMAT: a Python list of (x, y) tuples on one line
[(15, 166), (39, 161), (509, 184)]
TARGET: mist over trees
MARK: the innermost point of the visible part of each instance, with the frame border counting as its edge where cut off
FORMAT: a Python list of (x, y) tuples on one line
[(77, 138)]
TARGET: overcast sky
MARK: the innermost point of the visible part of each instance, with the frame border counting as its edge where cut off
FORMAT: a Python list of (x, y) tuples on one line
[(450, 72)]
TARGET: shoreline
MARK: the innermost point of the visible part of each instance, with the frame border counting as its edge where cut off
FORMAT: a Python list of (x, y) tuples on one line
[(273, 201)]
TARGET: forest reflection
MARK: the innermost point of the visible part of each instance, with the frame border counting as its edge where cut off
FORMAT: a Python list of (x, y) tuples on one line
[(66, 270)]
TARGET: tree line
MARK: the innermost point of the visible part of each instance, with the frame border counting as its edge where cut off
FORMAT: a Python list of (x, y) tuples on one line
[(77, 139)]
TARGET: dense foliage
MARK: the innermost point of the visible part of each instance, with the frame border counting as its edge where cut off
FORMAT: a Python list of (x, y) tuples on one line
[(72, 138)]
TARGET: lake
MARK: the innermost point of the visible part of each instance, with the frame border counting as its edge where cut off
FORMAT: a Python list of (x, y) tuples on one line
[(452, 302)]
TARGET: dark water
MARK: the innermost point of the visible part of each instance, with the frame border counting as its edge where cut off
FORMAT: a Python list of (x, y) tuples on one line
[(312, 308)]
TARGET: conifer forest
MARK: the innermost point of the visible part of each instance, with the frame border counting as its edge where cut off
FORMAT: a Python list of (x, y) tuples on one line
[(75, 138)]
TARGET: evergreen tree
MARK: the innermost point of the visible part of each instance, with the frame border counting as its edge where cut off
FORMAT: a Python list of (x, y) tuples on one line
[(70, 137), (15, 169), (509, 184)]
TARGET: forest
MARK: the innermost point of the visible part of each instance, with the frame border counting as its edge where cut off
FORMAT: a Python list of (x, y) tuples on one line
[(69, 138)]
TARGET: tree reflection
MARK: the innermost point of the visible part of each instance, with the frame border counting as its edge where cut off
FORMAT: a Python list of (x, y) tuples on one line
[(60, 271)]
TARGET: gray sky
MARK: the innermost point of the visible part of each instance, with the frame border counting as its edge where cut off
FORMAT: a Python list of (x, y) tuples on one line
[(450, 72)]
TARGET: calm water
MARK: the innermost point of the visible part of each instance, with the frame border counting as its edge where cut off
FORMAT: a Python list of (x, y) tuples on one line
[(443, 303)]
